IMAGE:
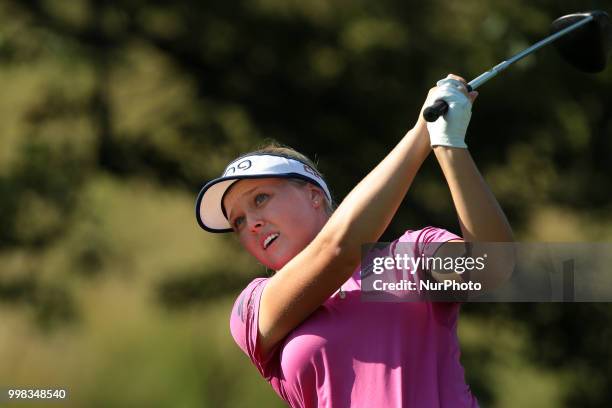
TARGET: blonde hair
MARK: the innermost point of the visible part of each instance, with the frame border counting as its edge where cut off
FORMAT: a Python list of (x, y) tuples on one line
[(271, 146)]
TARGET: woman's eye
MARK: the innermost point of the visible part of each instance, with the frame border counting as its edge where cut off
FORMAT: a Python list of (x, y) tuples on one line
[(260, 198), (238, 222)]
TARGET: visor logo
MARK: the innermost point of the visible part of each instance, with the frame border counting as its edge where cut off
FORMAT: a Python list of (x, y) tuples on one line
[(308, 170), (242, 165)]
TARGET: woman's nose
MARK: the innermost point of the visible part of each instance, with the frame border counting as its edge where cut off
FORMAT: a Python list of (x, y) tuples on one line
[(256, 225)]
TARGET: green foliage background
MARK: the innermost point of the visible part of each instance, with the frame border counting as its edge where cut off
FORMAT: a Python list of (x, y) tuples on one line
[(112, 114)]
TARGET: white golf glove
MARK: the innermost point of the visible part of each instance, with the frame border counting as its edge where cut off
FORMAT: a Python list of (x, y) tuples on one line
[(449, 130)]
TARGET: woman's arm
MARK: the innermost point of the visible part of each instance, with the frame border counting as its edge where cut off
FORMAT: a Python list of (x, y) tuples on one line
[(481, 219), (313, 275), (480, 216)]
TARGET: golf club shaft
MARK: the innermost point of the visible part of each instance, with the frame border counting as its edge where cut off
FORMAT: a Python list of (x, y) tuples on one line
[(439, 107)]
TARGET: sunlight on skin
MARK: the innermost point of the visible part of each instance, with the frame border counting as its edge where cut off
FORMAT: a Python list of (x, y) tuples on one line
[(260, 207)]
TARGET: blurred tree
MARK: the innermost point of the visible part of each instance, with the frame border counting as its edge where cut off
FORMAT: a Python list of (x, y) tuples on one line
[(113, 113)]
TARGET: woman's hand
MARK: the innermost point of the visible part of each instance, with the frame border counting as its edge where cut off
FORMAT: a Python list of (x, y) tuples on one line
[(449, 130)]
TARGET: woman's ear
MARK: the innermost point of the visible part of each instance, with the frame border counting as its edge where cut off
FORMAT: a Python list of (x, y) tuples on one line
[(316, 196)]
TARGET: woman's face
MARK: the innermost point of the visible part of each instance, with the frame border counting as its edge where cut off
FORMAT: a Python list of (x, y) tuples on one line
[(274, 218)]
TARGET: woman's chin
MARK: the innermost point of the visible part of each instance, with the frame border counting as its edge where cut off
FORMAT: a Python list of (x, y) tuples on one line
[(278, 257), (276, 263)]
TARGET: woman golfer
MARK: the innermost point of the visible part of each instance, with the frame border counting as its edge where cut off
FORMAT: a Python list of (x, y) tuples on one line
[(305, 328)]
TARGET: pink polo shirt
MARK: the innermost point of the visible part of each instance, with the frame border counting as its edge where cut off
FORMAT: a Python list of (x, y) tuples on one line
[(350, 353)]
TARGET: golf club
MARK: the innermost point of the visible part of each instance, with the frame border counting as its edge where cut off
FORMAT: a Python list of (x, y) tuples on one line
[(587, 49)]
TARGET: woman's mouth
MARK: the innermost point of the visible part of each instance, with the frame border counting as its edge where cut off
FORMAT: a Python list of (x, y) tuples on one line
[(270, 239)]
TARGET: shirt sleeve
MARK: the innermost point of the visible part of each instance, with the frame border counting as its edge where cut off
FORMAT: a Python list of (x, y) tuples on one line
[(244, 326), (430, 239), (428, 242), (421, 244)]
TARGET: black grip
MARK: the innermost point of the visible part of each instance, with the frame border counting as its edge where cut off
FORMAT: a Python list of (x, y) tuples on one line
[(439, 108), (433, 112)]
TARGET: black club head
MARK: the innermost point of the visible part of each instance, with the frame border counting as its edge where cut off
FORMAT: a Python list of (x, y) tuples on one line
[(588, 47)]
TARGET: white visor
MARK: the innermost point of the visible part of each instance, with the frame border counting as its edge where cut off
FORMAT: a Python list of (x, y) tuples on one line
[(209, 204)]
